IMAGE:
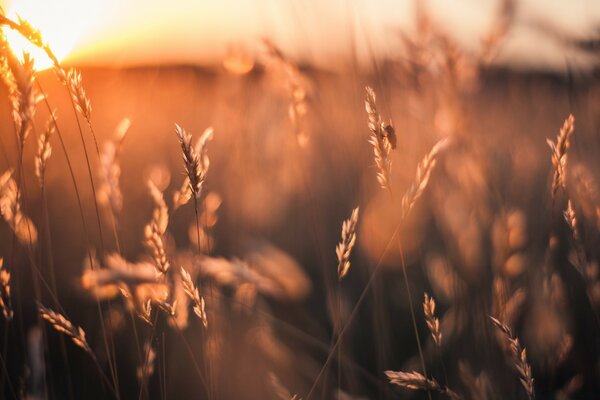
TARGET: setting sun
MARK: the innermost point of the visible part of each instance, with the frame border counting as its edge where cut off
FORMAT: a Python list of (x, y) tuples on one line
[(63, 23)]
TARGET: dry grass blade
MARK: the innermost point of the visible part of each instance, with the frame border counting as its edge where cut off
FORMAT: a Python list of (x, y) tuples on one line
[(424, 170), (44, 150), (433, 324), (192, 291), (344, 248), (559, 154), (383, 140), (10, 208), (196, 163), (61, 324), (156, 228), (416, 381), (5, 301), (519, 357)]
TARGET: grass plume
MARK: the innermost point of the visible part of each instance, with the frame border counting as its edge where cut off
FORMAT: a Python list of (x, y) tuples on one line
[(519, 357), (63, 325), (194, 295), (433, 324), (416, 381), (5, 300), (559, 154), (424, 170), (155, 230), (383, 140), (44, 149), (344, 248)]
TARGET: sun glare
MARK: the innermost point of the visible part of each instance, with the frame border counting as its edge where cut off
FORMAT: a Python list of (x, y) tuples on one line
[(63, 23)]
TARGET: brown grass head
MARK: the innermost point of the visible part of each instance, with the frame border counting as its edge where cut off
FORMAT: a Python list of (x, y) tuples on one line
[(433, 324), (559, 153), (382, 139), (109, 192), (155, 230), (61, 324), (519, 357), (19, 79), (196, 162), (10, 208), (424, 170), (5, 300), (192, 291), (44, 149), (416, 381), (344, 248), (82, 102)]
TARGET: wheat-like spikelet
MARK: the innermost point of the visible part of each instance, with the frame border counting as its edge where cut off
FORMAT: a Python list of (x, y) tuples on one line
[(82, 102), (44, 150), (416, 381), (5, 301), (422, 176), (9, 81), (559, 153), (30, 33), (344, 248), (109, 191), (160, 213), (588, 270), (183, 195), (297, 89), (192, 291), (169, 308), (19, 78), (383, 140), (519, 357), (10, 208), (196, 163), (571, 219), (61, 324), (145, 311), (154, 231), (433, 324), (191, 160), (27, 96)]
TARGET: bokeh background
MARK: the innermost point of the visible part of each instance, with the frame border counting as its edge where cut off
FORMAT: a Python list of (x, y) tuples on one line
[(487, 238)]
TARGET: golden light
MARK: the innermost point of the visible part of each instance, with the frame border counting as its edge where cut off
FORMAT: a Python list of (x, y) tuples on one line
[(63, 24)]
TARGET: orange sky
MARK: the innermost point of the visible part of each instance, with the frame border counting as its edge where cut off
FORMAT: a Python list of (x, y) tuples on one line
[(138, 32)]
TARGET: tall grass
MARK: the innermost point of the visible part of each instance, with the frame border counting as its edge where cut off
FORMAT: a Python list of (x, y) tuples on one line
[(299, 315)]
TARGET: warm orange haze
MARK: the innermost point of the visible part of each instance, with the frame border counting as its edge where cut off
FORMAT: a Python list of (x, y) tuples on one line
[(299, 200), (327, 34)]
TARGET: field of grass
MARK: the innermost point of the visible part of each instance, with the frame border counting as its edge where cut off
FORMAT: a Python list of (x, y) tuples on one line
[(429, 229)]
